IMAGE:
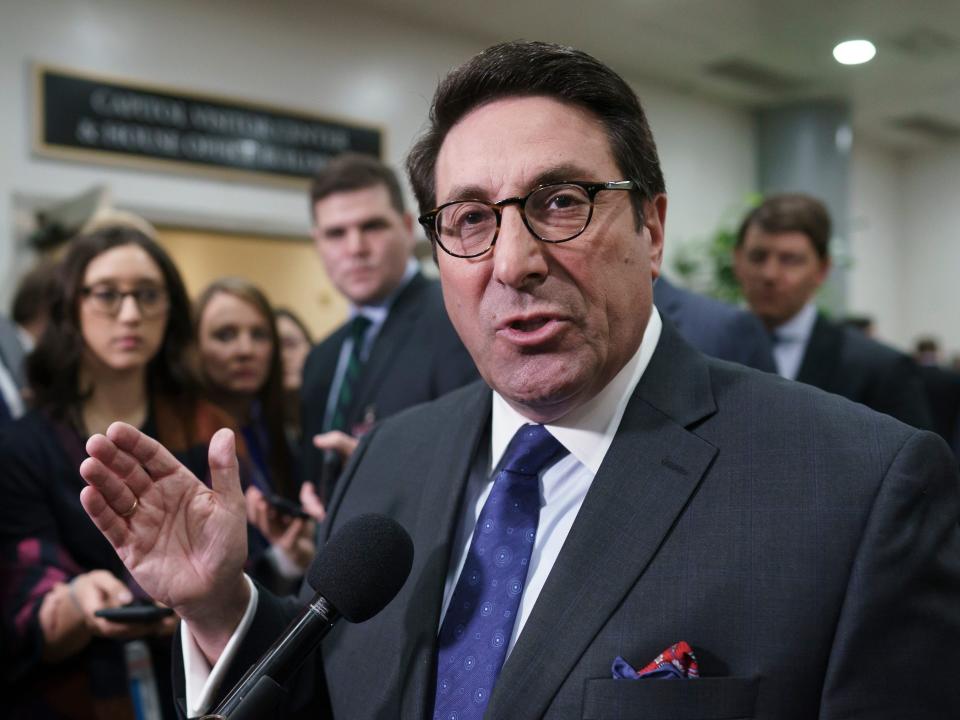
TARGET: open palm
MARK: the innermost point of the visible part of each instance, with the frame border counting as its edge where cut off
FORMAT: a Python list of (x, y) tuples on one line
[(184, 543)]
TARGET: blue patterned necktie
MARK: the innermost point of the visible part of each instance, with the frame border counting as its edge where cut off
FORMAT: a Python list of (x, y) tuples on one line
[(479, 621)]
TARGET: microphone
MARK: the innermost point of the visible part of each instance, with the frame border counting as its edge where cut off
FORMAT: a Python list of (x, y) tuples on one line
[(357, 573)]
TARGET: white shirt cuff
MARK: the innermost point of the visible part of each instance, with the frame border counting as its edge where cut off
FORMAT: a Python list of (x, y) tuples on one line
[(202, 681), (288, 569)]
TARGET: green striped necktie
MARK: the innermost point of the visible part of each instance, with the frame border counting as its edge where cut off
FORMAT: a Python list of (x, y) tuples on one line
[(346, 395)]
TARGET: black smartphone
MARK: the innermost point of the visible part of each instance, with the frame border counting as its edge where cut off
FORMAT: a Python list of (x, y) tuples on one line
[(134, 613), (288, 507)]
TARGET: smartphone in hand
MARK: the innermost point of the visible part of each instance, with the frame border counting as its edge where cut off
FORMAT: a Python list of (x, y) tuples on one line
[(287, 507), (135, 613)]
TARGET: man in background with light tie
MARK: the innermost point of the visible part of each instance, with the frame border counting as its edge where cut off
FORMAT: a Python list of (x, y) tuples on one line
[(606, 496), (781, 259), (398, 348)]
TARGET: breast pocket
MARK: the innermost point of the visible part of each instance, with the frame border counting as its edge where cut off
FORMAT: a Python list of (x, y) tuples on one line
[(700, 699)]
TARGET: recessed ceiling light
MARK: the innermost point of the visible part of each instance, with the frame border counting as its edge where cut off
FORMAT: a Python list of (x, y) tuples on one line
[(854, 52)]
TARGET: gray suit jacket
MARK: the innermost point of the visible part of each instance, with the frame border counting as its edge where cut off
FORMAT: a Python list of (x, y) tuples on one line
[(715, 328), (806, 547)]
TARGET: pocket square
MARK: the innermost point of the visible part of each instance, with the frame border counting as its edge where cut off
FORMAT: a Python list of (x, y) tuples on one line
[(676, 662)]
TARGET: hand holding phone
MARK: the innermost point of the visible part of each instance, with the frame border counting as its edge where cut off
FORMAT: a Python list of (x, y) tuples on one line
[(287, 507)]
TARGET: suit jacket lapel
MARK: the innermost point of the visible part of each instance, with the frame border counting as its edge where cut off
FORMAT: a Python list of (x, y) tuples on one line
[(392, 337), (320, 368), (464, 430), (646, 479), (820, 356)]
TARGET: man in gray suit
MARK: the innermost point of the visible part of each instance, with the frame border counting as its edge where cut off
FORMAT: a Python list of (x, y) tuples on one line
[(806, 548)]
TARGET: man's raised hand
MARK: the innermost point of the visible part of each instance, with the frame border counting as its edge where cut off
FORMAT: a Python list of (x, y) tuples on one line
[(184, 543)]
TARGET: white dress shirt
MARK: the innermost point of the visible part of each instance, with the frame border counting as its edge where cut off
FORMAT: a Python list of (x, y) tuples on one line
[(8, 383), (10, 392), (790, 341), (587, 433)]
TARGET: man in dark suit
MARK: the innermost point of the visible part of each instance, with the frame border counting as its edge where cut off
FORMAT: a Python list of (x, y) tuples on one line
[(801, 544), (781, 259), (942, 386), (398, 349), (713, 327)]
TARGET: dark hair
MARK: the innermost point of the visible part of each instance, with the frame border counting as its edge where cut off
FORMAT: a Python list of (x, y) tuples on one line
[(54, 366), (791, 212), (353, 171), (516, 69), (271, 395), (37, 292), (295, 319)]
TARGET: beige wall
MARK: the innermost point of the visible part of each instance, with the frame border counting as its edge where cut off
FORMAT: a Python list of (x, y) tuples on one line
[(286, 269)]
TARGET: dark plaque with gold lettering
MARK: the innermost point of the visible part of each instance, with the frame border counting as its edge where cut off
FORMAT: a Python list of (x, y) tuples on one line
[(86, 117)]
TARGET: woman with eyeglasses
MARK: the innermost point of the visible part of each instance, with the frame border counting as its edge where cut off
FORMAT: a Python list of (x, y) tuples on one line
[(240, 359), (115, 349)]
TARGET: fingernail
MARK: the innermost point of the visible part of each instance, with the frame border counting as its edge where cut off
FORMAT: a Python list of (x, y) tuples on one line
[(125, 597)]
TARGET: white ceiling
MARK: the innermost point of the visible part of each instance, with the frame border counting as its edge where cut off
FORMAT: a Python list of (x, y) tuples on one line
[(915, 77)]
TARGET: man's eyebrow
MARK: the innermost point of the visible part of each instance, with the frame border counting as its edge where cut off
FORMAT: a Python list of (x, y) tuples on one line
[(560, 173), (465, 192), (331, 230), (366, 221)]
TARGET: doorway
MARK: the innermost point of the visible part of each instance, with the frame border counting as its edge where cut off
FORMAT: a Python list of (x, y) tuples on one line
[(286, 268)]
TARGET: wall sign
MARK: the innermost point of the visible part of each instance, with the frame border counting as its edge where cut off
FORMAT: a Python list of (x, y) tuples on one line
[(87, 117)]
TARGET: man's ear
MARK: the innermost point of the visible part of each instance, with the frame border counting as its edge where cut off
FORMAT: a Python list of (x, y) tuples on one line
[(654, 220), (408, 225), (738, 261), (825, 266), (319, 246)]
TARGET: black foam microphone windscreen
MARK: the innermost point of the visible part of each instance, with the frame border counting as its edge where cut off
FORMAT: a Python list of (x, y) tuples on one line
[(363, 566), (359, 570)]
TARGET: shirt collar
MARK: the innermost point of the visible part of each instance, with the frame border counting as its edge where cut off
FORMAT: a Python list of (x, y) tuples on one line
[(377, 313), (586, 431), (26, 340), (799, 327)]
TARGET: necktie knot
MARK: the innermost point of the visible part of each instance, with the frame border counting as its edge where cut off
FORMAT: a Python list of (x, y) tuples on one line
[(530, 449), (358, 327)]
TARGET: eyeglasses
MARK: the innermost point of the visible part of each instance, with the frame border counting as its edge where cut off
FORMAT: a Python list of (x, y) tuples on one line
[(152, 300), (552, 213)]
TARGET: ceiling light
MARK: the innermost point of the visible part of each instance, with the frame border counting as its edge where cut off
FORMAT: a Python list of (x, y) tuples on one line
[(854, 52)]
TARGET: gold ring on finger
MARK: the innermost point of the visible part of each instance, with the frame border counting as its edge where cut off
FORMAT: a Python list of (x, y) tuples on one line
[(133, 508)]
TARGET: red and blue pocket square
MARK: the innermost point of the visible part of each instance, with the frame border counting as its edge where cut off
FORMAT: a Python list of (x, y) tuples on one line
[(676, 662)]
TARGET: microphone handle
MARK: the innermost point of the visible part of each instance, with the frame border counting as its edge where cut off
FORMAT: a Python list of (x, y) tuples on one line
[(283, 658)]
